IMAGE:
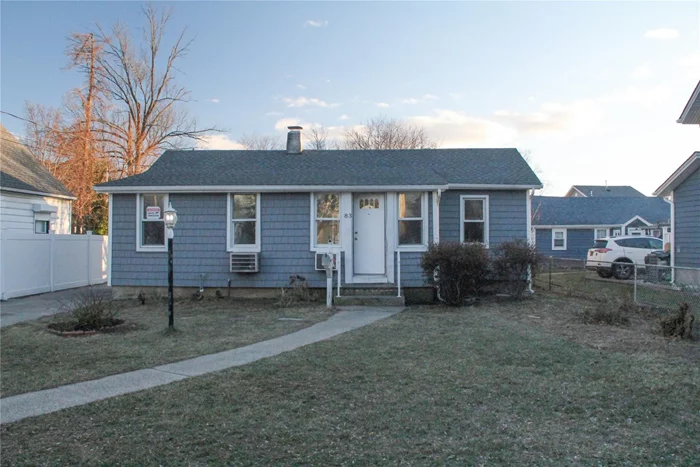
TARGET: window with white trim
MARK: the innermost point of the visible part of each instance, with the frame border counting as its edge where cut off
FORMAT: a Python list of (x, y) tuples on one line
[(558, 239), (600, 233), (151, 228), (412, 219), (244, 222), (326, 208), (474, 219)]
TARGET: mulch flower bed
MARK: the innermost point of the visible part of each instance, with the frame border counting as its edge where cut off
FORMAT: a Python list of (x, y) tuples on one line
[(72, 329)]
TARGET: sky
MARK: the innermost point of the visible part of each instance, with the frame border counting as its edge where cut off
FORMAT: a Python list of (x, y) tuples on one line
[(590, 91)]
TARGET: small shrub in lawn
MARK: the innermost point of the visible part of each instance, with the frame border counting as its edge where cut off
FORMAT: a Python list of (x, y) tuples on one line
[(297, 291), (88, 311), (609, 312), (678, 324), (459, 270), (512, 261)]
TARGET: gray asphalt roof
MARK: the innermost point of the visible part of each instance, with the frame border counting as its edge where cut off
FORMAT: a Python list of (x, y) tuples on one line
[(554, 210), (335, 167), (691, 111), (609, 191), (20, 170)]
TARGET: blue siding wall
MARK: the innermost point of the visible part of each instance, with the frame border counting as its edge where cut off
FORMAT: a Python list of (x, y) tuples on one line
[(686, 200), (200, 243), (578, 241), (507, 215)]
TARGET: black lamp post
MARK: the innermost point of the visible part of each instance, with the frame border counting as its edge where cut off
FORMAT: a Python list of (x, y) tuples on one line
[(170, 216)]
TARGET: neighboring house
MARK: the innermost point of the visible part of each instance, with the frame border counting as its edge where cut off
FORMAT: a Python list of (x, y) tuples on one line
[(691, 112), (683, 188), (597, 191), (567, 227), (31, 199), (273, 211)]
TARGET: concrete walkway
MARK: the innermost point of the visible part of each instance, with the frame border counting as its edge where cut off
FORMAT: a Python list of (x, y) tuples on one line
[(31, 404), (16, 310)]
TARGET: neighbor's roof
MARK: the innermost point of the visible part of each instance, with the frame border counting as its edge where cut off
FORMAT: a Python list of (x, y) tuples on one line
[(609, 191), (20, 171), (680, 175), (691, 112), (201, 170), (551, 210)]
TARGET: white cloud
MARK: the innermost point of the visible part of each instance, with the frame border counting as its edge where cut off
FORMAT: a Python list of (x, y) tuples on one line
[(662, 34), (642, 72), (382, 105), (418, 100), (218, 142), (304, 101), (274, 114), (343, 117), (301, 86), (215, 101), (315, 24), (283, 123), (457, 129)]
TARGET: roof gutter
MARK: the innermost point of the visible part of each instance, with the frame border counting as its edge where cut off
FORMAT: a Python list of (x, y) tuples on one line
[(38, 193), (300, 188), (677, 177)]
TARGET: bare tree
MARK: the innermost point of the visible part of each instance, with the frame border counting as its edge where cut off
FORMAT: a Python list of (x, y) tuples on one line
[(388, 133), (256, 141), (147, 115), (44, 131), (316, 136)]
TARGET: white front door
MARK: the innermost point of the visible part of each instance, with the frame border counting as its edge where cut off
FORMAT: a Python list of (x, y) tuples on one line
[(369, 233)]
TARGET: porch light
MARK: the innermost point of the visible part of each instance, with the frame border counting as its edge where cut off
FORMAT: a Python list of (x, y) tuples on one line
[(170, 216)]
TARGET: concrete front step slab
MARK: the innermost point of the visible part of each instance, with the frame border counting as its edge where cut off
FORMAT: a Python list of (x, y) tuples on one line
[(369, 291), (369, 300)]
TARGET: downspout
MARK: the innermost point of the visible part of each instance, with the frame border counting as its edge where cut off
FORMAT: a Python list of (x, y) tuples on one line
[(437, 195), (528, 207)]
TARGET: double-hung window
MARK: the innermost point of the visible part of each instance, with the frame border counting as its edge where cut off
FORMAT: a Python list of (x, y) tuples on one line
[(600, 233), (412, 219), (475, 219), (558, 239), (244, 222), (326, 219), (151, 228)]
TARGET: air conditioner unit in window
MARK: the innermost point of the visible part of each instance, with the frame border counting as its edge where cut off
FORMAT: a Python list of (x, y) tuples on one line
[(245, 262), (319, 262)]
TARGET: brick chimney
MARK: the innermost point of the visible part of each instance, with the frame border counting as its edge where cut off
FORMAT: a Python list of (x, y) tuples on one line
[(294, 140)]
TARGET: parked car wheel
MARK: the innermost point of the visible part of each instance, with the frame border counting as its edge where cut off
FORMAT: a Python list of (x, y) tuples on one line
[(623, 270), (605, 273)]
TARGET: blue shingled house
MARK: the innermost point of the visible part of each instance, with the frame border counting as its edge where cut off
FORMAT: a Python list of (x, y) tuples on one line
[(255, 218), (683, 188), (566, 227)]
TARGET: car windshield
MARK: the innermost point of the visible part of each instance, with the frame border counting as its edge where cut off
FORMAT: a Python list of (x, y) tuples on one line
[(656, 244), (600, 244)]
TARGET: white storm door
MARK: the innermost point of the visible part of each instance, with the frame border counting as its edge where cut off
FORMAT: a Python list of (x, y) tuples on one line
[(369, 233)]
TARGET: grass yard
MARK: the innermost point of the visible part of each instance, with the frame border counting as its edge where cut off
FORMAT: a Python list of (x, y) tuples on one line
[(503, 383), (34, 359)]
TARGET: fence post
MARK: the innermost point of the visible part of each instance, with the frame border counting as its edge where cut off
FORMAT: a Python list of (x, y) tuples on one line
[(52, 237), (89, 260), (551, 262), (635, 282)]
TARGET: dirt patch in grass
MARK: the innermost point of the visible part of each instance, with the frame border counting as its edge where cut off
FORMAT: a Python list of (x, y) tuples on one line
[(486, 385), (32, 358), (563, 316)]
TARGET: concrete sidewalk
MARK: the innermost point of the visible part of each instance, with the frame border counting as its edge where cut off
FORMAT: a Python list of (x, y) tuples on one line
[(16, 310), (31, 404)]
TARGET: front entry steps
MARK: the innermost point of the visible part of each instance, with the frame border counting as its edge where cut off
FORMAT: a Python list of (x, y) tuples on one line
[(369, 296)]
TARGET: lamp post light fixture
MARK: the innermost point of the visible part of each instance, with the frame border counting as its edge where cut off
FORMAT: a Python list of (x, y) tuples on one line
[(170, 217)]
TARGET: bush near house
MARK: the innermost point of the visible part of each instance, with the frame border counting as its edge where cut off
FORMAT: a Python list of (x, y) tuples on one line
[(512, 263), (459, 270)]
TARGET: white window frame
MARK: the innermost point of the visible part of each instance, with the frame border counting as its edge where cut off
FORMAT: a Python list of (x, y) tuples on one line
[(43, 222), (564, 232), (485, 199), (314, 246), (230, 247), (423, 246), (595, 233), (139, 219)]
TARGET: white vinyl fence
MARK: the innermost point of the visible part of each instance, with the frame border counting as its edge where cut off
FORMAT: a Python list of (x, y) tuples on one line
[(32, 263)]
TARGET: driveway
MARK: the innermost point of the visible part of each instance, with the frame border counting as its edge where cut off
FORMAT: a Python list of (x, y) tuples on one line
[(21, 309)]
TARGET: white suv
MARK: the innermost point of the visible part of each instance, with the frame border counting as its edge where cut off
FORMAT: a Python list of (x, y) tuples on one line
[(615, 256)]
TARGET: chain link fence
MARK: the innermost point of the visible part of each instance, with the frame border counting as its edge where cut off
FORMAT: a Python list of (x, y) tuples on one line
[(657, 285)]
